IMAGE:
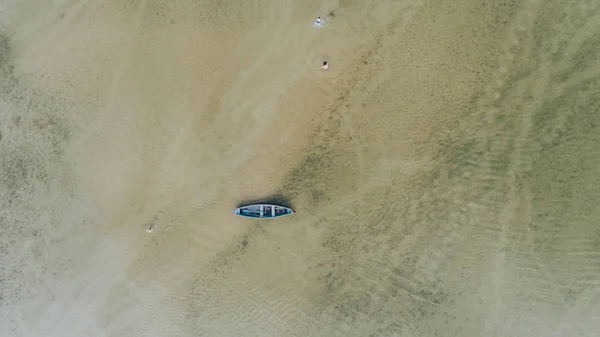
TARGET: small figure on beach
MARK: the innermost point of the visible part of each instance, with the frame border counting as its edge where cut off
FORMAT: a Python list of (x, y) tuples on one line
[(318, 22), (150, 228), (321, 23), (324, 65)]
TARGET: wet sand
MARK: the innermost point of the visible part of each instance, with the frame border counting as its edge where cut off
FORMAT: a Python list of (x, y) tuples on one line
[(444, 170)]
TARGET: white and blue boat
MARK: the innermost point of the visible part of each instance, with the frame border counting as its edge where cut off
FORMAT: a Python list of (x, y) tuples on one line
[(263, 211)]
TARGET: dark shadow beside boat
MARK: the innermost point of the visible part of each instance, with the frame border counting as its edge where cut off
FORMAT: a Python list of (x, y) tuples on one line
[(276, 199)]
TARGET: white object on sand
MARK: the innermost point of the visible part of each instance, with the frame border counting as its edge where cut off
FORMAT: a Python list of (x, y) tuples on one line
[(325, 65), (318, 22), (323, 22), (150, 228)]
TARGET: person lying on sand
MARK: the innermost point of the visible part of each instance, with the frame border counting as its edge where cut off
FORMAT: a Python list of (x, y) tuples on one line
[(320, 23), (324, 65)]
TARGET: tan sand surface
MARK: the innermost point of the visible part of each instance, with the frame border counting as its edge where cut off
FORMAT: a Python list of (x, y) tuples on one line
[(445, 170)]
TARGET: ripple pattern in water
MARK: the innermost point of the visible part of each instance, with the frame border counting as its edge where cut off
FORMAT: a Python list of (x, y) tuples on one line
[(444, 170)]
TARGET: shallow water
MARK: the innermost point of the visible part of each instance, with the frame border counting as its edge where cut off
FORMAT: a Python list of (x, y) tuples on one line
[(444, 171)]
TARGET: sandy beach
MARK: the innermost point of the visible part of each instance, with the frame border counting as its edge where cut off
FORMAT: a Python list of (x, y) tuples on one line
[(444, 170)]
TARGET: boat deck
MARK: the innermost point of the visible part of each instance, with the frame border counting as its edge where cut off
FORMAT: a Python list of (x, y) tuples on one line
[(263, 211)]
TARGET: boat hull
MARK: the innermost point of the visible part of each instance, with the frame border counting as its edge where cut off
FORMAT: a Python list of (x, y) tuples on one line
[(263, 211)]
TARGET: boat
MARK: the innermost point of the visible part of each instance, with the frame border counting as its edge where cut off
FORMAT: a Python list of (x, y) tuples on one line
[(263, 211)]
